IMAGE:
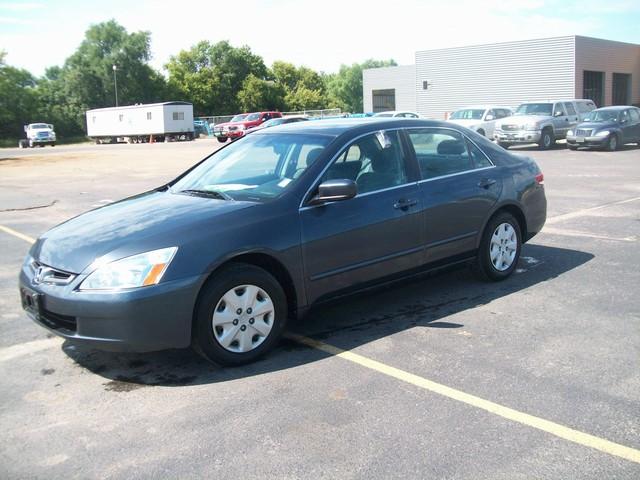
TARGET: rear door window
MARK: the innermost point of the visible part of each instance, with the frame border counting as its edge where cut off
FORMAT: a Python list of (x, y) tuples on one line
[(570, 110), (440, 152), (635, 115)]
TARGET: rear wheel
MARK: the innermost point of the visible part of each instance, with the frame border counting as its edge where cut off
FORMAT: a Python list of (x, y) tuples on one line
[(546, 140), (22, 144), (499, 248), (240, 315)]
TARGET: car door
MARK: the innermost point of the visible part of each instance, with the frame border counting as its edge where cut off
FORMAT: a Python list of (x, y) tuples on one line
[(634, 115), (489, 122), (376, 233), (572, 115), (560, 120), (458, 189), (627, 127)]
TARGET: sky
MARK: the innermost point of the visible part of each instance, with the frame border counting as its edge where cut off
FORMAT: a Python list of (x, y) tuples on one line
[(320, 34)]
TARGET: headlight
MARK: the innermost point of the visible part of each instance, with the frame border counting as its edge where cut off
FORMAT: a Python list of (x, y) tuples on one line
[(139, 270), (602, 133), (570, 133)]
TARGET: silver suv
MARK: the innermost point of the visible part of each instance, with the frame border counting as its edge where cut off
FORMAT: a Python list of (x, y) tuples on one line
[(541, 122)]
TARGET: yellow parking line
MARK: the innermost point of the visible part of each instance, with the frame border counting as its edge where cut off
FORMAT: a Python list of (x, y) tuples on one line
[(19, 235), (553, 428)]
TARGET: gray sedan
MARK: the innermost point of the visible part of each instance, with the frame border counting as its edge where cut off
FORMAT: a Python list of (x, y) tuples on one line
[(275, 223)]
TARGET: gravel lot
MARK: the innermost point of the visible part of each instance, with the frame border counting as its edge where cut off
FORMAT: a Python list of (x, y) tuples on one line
[(558, 342)]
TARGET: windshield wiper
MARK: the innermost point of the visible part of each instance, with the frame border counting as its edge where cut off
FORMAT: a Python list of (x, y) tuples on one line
[(207, 193)]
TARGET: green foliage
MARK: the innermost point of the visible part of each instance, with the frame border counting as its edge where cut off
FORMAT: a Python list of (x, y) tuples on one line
[(344, 89), (258, 94), (211, 75), (17, 99)]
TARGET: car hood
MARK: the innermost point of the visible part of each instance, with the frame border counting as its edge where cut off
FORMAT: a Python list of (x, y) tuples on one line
[(598, 125), (135, 225), (523, 120), (465, 122)]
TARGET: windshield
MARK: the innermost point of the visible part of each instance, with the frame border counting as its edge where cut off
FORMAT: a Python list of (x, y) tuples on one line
[(535, 109), (238, 118), (468, 114), (258, 167), (389, 114), (252, 117), (602, 116), (273, 122), (40, 125)]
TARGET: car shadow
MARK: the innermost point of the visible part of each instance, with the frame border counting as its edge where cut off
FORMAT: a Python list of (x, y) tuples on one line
[(427, 301)]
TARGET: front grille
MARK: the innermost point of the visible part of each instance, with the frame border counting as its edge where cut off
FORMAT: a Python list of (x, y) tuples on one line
[(583, 132), (510, 127), (57, 321), (45, 274)]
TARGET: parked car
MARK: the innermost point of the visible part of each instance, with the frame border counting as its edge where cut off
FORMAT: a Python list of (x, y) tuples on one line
[(541, 122), (278, 121), (397, 114), (238, 125), (279, 221), (608, 128), (481, 118), (38, 135)]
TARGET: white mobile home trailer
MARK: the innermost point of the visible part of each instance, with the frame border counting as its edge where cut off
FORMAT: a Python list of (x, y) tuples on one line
[(138, 123)]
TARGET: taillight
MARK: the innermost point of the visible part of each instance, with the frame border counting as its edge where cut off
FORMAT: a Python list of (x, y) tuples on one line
[(540, 178)]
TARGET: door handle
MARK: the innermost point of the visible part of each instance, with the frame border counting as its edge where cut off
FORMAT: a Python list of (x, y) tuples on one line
[(404, 204), (486, 183)]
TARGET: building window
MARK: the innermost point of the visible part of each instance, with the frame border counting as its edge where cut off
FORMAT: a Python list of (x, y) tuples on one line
[(621, 89), (593, 87), (120, 117), (148, 115), (178, 115), (384, 100)]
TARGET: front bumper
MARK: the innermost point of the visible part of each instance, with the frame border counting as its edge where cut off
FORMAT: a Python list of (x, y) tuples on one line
[(517, 136), (137, 320), (590, 142), (235, 133)]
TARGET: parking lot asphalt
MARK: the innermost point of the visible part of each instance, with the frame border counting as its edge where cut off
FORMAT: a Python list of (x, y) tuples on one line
[(437, 377)]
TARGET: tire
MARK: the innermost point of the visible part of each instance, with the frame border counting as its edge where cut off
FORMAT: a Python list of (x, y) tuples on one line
[(222, 139), (504, 145), (214, 319), (572, 147), (546, 140), (613, 143), (53, 144), (22, 144), (481, 132), (497, 256), (31, 144)]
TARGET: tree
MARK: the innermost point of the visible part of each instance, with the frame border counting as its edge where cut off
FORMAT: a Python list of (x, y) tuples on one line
[(344, 89), (304, 87), (18, 99), (258, 94), (303, 98), (212, 75)]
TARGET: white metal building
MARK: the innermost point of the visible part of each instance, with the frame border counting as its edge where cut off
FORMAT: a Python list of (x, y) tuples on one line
[(508, 73)]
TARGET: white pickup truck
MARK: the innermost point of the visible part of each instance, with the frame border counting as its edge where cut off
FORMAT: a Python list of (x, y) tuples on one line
[(38, 134)]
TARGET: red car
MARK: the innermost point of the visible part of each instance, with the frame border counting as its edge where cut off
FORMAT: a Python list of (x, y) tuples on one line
[(239, 124)]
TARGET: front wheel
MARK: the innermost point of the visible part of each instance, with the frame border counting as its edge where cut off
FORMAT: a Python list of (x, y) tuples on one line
[(481, 132), (504, 145), (546, 140), (612, 143), (240, 315), (499, 249), (222, 139)]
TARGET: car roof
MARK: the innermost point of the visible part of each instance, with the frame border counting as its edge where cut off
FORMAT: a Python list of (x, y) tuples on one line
[(555, 100), (485, 107), (615, 108), (336, 127)]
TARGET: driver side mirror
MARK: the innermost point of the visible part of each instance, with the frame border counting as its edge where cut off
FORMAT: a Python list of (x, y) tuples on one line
[(335, 190), (489, 117), (559, 113)]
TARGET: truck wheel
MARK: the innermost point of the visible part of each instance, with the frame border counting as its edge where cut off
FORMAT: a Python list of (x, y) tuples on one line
[(31, 143), (504, 145), (222, 139), (53, 144), (547, 140)]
